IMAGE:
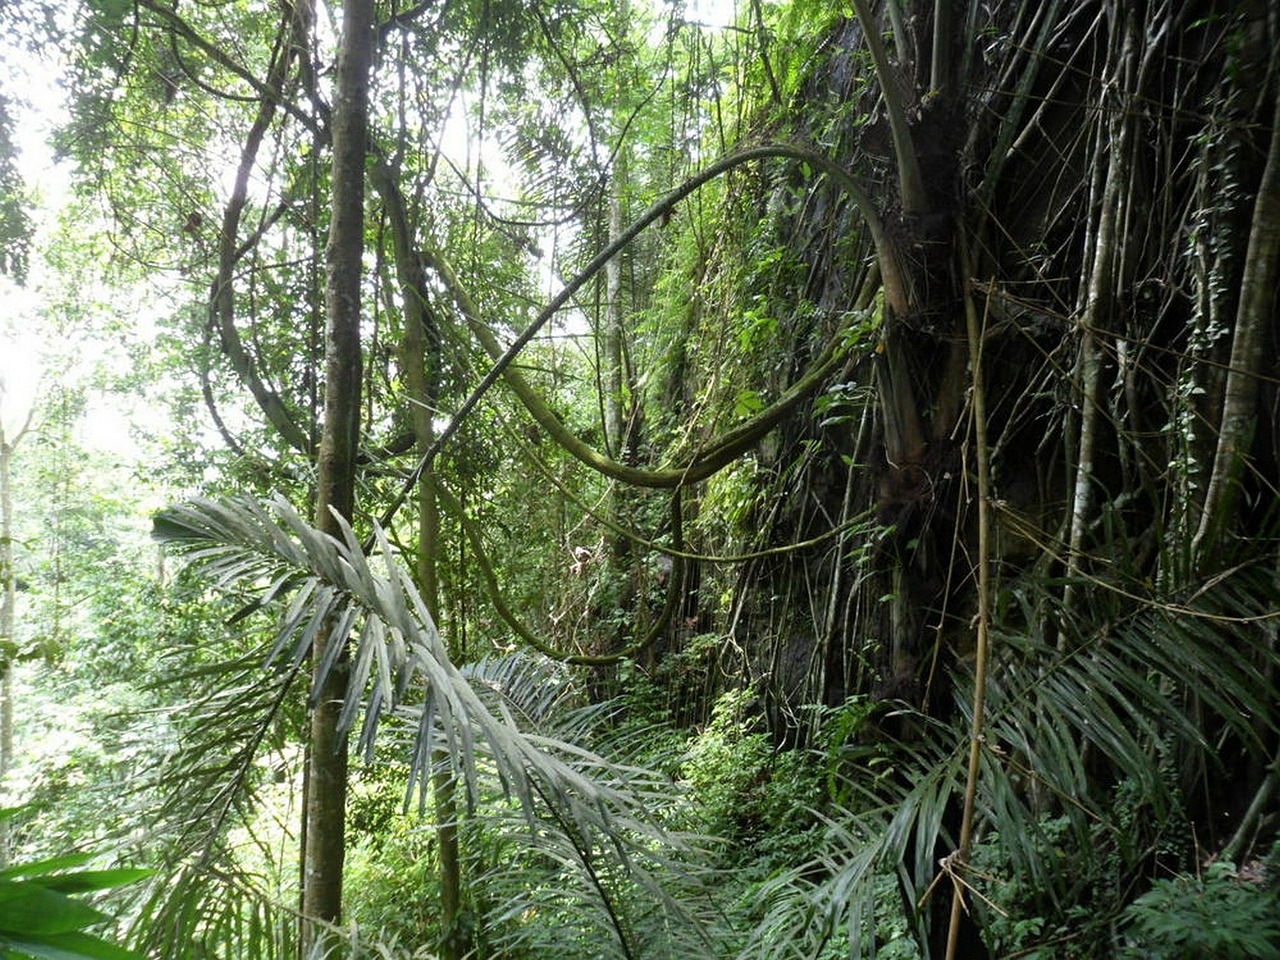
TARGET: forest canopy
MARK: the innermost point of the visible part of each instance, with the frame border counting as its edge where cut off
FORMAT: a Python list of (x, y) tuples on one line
[(627, 478)]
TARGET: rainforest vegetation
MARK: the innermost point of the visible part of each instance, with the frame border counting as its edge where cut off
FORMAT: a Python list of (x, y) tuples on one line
[(640, 478)]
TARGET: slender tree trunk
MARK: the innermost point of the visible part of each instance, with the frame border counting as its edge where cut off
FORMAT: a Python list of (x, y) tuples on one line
[(982, 622), (423, 390), (1097, 306), (614, 373), (8, 646), (619, 406), (421, 360), (1254, 314), (325, 799), (8, 606), (422, 341)]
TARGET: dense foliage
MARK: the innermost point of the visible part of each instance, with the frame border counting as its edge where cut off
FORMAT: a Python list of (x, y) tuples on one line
[(802, 486)]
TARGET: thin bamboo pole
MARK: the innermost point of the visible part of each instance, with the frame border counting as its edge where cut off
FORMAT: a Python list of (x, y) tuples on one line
[(983, 577)]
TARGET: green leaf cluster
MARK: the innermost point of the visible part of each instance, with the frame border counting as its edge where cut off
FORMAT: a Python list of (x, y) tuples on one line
[(41, 918), (1218, 915)]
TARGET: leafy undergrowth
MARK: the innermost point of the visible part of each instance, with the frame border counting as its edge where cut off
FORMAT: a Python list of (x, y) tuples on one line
[(1219, 915)]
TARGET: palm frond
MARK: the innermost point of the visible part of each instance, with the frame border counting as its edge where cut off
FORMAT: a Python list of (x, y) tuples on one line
[(212, 899), (208, 908), (378, 619), (516, 721), (637, 889), (1095, 742), (873, 875)]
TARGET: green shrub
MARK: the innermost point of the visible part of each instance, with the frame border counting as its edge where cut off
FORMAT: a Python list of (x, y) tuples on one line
[(727, 767), (1216, 916)]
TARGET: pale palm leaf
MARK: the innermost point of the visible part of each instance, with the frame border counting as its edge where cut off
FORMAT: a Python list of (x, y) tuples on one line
[(634, 890), (379, 618), (596, 816)]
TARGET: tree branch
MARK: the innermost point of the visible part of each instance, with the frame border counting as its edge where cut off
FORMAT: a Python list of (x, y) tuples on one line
[(910, 181)]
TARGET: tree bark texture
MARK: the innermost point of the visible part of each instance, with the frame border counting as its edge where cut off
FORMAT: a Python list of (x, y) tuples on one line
[(325, 801)]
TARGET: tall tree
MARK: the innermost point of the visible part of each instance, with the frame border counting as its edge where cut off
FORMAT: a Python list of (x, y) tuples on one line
[(326, 781), (11, 435)]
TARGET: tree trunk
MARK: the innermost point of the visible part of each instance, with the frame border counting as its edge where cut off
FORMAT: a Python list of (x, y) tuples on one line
[(325, 799), (615, 428), (1255, 313), (423, 390), (619, 394), (1098, 303), (422, 341), (8, 605), (8, 646)]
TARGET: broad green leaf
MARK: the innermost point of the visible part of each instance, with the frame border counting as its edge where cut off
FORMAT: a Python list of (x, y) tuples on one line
[(39, 911), (88, 880), (11, 891), (37, 868), (66, 946)]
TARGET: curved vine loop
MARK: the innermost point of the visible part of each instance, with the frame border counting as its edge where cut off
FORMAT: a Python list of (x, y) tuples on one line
[(737, 440)]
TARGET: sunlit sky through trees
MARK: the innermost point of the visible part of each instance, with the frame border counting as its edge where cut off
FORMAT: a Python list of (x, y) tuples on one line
[(38, 103)]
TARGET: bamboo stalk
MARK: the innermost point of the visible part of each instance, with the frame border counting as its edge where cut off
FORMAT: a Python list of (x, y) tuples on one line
[(1098, 300), (983, 577)]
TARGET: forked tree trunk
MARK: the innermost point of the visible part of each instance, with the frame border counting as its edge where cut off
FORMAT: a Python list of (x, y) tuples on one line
[(325, 798)]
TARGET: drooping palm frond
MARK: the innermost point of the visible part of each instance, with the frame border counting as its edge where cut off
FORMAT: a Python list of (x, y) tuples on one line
[(211, 906), (220, 892), (631, 891), (873, 875), (379, 621), (1152, 698), (559, 890), (1102, 748), (504, 722)]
